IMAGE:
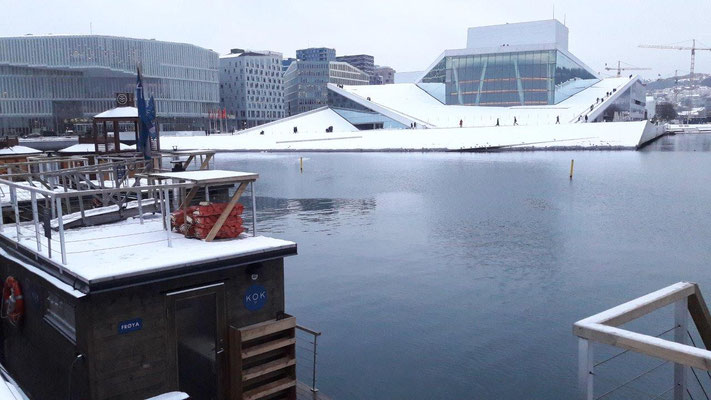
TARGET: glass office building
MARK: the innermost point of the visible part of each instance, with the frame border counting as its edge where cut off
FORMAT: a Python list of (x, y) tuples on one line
[(509, 78), (52, 83)]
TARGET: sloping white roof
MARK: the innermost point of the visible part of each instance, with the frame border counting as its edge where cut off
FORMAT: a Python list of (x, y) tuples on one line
[(119, 112), (18, 150), (89, 148)]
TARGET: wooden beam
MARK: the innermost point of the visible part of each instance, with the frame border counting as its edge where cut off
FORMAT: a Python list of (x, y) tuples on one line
[(187, 162), (642, 306), (267, 347), (189, 197), (700, 314), (267, 328), (226, 212), (206, 164), (645, 344)]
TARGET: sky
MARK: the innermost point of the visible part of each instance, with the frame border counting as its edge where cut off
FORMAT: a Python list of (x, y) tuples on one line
[(406, 35)]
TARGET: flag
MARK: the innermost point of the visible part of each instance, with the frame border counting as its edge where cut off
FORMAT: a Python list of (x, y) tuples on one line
[(147, 116)]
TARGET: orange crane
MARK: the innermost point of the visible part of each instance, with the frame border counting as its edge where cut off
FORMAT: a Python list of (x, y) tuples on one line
[(693, 49), (620, 68)]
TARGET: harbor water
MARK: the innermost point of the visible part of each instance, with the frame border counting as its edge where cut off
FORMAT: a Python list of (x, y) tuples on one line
[(459, 276)]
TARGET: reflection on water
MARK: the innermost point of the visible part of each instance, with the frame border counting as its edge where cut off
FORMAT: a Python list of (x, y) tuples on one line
[(459, 276), (326, 214)]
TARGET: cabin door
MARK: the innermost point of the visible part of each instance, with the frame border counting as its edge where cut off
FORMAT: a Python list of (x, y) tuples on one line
[(196, 319)]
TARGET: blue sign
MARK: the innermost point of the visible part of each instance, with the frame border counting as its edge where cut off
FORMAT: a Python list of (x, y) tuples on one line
[(255, 297), (130, 326)]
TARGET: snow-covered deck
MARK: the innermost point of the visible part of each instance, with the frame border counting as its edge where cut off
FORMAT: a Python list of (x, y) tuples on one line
[(128, 248)]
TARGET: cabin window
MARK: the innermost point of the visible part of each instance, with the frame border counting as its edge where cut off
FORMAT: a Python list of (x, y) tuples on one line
[(61, 316)]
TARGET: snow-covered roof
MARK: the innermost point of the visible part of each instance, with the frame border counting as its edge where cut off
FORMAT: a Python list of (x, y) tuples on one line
[(18, 151), (208, 176), (109, 252), (119, 112), (89, 148)]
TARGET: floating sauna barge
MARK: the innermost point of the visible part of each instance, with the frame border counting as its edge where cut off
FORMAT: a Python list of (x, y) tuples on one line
[(129, 308)]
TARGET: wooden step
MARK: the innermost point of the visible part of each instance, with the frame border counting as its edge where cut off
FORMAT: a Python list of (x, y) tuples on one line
[(266, 368), (268, 389), (266, 328), (266, 347)]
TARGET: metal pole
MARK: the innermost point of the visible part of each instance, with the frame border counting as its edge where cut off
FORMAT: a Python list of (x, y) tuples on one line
[(15, 203), (48, 204), (254, 211), (139, 197), (585, 369), (313, 376), (167, 217), (680, 370), (2, 223), (35, 218), (60, 222), (162, 207)]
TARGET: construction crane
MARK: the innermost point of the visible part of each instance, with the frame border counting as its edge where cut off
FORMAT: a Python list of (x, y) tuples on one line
[(693, 49), (620, 68)]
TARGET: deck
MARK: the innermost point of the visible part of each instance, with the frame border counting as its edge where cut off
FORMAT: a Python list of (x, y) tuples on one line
[(303, 392)]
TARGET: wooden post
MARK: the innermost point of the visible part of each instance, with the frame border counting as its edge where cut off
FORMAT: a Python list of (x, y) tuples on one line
[(680, 335), (585, 369), (572, 162), (226, 212)]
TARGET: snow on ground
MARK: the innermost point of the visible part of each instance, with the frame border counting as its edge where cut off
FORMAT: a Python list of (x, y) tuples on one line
[(89, 148), (127, 248), (607, 134), (315, 121)]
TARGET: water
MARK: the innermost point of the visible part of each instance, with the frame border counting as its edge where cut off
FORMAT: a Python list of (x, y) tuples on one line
[(459, 276)]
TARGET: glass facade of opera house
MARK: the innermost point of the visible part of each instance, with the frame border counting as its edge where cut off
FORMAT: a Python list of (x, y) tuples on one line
[(56, 83), (510, 79)]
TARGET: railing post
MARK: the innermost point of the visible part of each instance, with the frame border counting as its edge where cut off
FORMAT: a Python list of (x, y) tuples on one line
[(16, 205), (585, 369), (35, 218), (60, 223), (139, 198), (254, 211), (681, 326), (313, 376), (166, 198)]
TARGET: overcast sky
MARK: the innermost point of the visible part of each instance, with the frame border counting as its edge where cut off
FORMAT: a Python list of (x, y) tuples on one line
[(407, 35)]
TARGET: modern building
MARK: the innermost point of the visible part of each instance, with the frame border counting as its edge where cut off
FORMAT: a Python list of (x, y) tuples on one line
[(363, 62), (286, 62), (251, 88), (386, 74), (52, 82), (316, 54), (305, 83)]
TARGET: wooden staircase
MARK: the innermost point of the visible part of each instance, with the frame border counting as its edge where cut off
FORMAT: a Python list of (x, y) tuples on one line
[(263, 360)]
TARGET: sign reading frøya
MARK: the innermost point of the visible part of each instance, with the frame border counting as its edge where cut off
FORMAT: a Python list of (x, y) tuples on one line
[(131, 325), (255, 297)]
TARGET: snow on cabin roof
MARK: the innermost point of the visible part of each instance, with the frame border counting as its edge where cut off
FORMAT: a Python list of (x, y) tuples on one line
[(209, 176), (89, 148), (18, 150), (109, 252), (119, 112)]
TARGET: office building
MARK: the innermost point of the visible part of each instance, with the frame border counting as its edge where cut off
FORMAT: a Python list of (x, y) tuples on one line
[(251, 88), (363, 62), (305, 83), (316, 54), (55, 82), (386, 74)]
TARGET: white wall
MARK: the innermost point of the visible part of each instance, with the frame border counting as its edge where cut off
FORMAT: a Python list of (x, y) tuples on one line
[(522, 33)]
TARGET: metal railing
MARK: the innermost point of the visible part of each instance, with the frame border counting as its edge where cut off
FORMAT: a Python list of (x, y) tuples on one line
[(307, 352), (604, 328)]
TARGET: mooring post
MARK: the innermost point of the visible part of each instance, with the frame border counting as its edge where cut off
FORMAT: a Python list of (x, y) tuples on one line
[(301, 164), (585, 369), (572, 162), (680, 335)]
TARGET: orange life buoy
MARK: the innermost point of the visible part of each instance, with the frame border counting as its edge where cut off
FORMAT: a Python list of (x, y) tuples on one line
[(13, 304)]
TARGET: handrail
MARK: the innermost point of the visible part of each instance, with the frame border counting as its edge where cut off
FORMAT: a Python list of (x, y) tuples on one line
[(315, 335), (605, 328)]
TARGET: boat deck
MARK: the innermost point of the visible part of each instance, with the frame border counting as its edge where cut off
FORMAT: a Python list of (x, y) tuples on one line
[(303, 392)]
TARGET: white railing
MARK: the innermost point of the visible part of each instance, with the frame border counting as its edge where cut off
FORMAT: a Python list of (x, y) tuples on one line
[(605, 328)]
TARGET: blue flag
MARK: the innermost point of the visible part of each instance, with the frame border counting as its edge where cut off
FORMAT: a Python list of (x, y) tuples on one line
[(147, 116)]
